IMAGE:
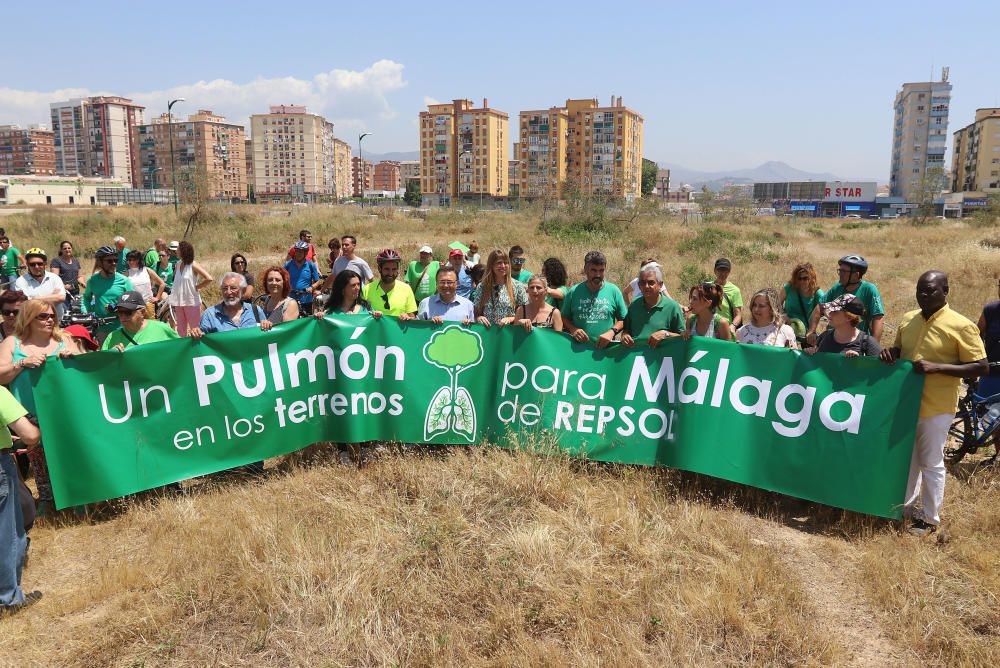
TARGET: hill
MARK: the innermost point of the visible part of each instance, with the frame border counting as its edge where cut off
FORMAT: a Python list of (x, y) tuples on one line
[(768, 171)]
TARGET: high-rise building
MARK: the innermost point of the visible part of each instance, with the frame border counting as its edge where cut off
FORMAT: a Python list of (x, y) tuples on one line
[(209, 156), (386, 176), (367, 176), (463, 152), (293, 154), (344, 169), (29, 150), (409, 170), (514, 173), (919, 133), (975, 154), (595, 150), (94, 136)]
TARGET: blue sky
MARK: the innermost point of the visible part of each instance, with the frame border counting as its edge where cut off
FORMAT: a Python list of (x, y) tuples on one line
[(720, 84)]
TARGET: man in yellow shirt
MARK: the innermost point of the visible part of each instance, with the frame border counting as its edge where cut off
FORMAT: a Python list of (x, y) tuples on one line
[(388, 295), (946, 347)]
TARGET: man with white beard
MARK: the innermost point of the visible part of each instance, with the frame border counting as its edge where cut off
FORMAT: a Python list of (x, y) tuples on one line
[(232, 313)]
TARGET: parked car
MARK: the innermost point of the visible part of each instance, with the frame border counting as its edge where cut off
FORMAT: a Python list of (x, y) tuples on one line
[(853, 215)]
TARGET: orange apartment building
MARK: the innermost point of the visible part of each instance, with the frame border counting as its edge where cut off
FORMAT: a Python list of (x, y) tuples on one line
[(367, 173), (29, 150)]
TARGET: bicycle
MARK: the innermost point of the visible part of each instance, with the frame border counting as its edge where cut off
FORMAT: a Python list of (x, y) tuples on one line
[(976, 423)]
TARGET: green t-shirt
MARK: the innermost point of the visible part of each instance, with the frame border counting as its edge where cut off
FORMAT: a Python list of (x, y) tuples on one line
[(728, 307), (425, 287), (153, 331), (10, 412), (122, 266), (152, 257), (8, 262), (795, 302), (104, 292), (869, 296), (400, 298), (166, 274), (551, 301), (594, 312), (523, 276), (642, 321)]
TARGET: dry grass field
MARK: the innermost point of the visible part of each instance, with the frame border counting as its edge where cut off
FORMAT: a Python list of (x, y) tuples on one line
[(488, 557)]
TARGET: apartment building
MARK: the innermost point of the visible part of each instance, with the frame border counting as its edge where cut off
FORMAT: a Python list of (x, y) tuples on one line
[(543, 152), (463, 152), (366, 180), (94, 136), (209, 156), (975, 158), (293, 154), (408, 171), (386, 176), (27, 151), (919, 136), (514, 173), (343, 169), (248, 155)]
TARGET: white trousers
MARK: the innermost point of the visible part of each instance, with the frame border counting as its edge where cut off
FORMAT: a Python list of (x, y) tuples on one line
[(927, 467)]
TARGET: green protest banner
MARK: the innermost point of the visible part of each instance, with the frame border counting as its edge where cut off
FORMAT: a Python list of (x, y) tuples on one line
[(824, 427)]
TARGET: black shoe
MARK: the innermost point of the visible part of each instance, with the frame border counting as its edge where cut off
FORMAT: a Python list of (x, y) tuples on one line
[(29, 600), (921, 528)]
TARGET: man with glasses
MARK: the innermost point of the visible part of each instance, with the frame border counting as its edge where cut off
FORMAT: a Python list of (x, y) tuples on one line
[(103, 290), (41, 284), (232, 313), (517, 270), (850, 270), (11, 263), (446, 305), (388, 295), (10, 305), (135, 329)]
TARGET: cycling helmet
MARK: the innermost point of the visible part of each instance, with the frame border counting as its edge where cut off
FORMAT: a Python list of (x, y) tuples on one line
[(105, 251), (301, 246), (855, 261), (387, 255), (37, 252)]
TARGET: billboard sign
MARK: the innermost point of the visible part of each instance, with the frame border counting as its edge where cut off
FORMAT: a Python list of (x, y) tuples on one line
[(849, 191)]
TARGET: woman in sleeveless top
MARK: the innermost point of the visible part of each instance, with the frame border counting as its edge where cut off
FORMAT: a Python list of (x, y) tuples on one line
[(703, 301), (36, 338), (537, 312), (278, 306), (766, 326), (67, 267), (799, 297), (184, 300), (145, 281)]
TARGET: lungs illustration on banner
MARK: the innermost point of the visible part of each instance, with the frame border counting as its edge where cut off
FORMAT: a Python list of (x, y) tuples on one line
[(453, 349)]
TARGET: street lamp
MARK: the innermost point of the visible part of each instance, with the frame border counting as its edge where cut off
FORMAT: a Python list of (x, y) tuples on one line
[(170, 131), (361, 168)]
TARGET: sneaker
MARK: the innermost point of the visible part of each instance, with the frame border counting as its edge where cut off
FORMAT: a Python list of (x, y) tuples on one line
[(29, 600), (922, 528)]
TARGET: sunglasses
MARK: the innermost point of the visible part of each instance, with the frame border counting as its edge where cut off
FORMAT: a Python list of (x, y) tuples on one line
[(36, 264), (385, 300), (45, 317), (707, 286), (517, 260), (8, 312)]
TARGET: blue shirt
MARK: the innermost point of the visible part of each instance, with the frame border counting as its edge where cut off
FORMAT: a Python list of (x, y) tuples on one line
[(458, 311), (302, 277), (464, 284), (215, 319)]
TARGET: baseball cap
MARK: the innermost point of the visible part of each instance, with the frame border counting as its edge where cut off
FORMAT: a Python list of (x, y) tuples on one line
[(426, 249), (456, 251), (174, 245), (723, 263), (130, 300), (847, 303), (80, 332)]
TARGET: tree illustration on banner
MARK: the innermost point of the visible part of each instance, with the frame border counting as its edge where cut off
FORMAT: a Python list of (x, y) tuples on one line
[(453, 349)]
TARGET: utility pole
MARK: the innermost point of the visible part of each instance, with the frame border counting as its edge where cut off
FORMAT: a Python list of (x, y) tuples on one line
[(361, 168), (170, 131)]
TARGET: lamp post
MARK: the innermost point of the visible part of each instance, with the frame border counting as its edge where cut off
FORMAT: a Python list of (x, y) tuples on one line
[(170, 131), (361, 168)]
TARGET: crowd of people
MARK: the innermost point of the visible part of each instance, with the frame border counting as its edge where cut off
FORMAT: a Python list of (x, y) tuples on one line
[(141, 297)]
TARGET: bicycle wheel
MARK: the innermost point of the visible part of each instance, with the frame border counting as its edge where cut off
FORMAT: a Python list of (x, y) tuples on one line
[(962, 430)]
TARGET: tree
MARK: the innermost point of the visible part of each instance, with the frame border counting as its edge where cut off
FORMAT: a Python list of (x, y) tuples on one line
[(933, 183), (649, 170), (412, 195)]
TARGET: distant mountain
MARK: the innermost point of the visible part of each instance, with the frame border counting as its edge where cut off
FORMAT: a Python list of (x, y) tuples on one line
[(392, 155), (769, 171)]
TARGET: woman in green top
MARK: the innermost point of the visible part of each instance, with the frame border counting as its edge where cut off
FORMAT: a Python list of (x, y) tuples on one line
[(554, 272), (800, 296)]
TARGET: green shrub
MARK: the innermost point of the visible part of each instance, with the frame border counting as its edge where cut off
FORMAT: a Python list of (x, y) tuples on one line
[(691, 275)]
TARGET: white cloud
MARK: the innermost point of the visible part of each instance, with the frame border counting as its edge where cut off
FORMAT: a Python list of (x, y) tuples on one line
[(428, 101), (350, 99)]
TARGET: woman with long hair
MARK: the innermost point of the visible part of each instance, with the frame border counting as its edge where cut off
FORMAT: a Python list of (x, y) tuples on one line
[(538, 312), (800, 296), (555, 275), (345, 296), (184, 300), (67, 267), (703, 303), (238, 264), (36, 338), (278, 306), (498, 297), (766, 326)]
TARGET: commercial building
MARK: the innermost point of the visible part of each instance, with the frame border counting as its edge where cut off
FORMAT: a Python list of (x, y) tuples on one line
[(919, 134), (818, 198), (208, 156), (343, 169), (29, 150), (94, 137), (975, 154), (386, 176), (55, 190), (293, 154), (463, 152), (361, 180)]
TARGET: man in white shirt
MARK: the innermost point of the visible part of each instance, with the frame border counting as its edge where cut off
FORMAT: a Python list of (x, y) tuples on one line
[(41, 284)]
